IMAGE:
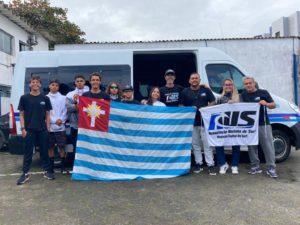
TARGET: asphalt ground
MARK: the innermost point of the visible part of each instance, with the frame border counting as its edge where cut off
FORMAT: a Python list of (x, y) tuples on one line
[(191, 199)]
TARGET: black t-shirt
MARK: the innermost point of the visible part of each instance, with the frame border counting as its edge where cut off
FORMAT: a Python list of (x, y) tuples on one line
[(256, 96), (170, 96), (34, 108), (224, 99), (101, 95), (133, 101), (199, 98)]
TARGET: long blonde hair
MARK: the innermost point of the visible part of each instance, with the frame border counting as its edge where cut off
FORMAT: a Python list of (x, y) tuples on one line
[(235, 97)]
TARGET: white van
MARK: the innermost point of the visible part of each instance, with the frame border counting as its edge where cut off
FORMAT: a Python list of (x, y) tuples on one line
[(142, 69)]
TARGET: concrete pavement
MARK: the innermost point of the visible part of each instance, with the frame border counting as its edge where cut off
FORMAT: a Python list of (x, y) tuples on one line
[(191, 199)]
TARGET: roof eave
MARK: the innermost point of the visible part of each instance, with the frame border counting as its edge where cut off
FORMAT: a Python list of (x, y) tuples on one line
[(5, 11)]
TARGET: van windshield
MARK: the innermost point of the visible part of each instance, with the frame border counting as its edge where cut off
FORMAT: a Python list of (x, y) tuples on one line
[(65, 74), (217, 73)]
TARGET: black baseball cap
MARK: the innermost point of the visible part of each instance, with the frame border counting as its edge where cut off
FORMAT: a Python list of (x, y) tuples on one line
[(170, 72), (127, 88)]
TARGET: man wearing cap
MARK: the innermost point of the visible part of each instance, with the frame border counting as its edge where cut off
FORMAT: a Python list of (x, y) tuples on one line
[(169, 94), (128, 95)]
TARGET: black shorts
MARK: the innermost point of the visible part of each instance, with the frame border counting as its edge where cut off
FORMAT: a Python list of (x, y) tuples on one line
[(58, 138)]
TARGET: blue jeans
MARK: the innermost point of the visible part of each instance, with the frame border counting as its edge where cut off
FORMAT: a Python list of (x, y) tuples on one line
[(39, 138), (221, 155)]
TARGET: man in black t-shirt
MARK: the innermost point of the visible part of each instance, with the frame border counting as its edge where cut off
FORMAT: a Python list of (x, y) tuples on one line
[(252, 94), (199, 96), (95, 92), (128, 95), (169, 94), (35, 122)]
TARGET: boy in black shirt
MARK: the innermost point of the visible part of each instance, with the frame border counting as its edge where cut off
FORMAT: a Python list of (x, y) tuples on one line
[(199, 96), (95, 92), (252, 94), (128, 95), (35, 123), (169, 94)]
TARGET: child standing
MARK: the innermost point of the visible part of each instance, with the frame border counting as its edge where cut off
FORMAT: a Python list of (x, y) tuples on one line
[(58, 117)]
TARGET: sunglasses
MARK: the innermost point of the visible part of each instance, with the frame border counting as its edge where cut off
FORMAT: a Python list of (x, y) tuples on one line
[(114, 87)]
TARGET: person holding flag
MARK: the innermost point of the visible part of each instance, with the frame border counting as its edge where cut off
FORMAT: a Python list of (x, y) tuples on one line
[(154, 97), (95, 92), (229, 95), (253, 94), (128, 95), (72, 106), (114, 91)]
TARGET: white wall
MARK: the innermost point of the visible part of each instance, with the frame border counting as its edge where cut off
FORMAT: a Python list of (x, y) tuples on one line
[(268, 60), (18, 35), (287, 26), (281, 25), (294, 24), (43, 44), (6, 61)]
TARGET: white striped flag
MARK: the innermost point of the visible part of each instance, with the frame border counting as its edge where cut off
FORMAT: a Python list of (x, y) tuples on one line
[(119, 141)]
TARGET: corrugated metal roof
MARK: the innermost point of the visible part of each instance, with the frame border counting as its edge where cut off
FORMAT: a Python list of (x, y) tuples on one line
[(195, 39), (5, 11)]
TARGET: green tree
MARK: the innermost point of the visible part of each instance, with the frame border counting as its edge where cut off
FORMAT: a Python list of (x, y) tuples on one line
[(41, 16)]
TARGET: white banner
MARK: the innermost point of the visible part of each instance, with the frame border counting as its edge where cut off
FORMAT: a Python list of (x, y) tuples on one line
[(231, 124)]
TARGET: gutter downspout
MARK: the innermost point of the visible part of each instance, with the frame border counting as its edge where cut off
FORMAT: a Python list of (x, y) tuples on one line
[(295, 78)]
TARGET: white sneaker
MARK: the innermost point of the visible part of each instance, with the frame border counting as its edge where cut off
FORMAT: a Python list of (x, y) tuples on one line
[(223, 168), (234, 170)]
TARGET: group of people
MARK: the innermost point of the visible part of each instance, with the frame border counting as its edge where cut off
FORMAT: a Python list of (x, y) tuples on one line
[(43, 118)]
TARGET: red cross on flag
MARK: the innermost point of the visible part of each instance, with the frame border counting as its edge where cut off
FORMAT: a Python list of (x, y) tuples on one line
[(93, 114)]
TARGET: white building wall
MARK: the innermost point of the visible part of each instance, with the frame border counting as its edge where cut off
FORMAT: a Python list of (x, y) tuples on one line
[(281, 25), (294, 24), (6, 60), (287, 26), (268, 60), (43, 44)]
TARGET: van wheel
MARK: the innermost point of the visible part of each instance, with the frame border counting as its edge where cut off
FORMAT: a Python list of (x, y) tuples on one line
[(282, 145)]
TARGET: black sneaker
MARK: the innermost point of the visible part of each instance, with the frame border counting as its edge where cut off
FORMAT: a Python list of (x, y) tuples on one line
[(212, 171), (23, 179), (198, 168), (49, 176)]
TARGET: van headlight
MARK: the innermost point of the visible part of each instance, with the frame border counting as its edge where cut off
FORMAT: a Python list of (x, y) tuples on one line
[(294, 107)]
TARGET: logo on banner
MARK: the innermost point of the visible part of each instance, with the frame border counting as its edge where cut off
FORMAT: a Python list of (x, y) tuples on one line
[(230, 119)]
